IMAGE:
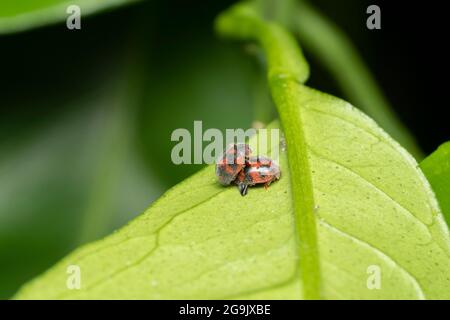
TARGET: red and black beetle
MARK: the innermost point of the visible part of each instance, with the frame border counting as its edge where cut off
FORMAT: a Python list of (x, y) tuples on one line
[(258, 170), (232, 162)]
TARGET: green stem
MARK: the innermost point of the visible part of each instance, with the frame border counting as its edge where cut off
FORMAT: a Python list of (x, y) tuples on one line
[(279, 11), (287, 70), (337, 53)]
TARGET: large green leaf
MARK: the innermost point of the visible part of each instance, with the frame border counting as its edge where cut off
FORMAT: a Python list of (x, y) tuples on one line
[(22, 15), (373, 207), (370, 205), (437, 169)]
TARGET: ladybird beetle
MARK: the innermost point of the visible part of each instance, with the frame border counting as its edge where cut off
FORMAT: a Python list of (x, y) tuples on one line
[(232, 162), (258, 170)]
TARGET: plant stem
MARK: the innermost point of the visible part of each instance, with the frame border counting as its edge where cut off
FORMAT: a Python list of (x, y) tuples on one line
[(287, 69), (279, 11), (337, 53)]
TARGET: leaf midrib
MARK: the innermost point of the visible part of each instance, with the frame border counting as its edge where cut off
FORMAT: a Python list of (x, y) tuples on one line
[(286, 71)]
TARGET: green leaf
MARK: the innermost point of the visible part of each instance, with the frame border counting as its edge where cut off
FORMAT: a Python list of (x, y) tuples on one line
[(365, 204), (202, 240), (23, 15), (436, 168)]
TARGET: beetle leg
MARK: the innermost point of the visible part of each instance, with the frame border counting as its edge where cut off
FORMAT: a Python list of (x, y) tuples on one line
[(243, 188), (267, 184)]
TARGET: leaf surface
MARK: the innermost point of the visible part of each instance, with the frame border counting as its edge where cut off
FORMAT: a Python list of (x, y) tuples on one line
[(373, 207)]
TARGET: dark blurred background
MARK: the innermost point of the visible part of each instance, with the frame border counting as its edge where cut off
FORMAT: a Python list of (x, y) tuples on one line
[(86, 116)]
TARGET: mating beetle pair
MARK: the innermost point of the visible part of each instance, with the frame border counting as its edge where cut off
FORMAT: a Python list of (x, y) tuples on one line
[(238, 166)]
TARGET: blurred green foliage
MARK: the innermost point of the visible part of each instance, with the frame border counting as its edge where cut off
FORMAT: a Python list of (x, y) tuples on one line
[(339, 56), (16, 16)]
